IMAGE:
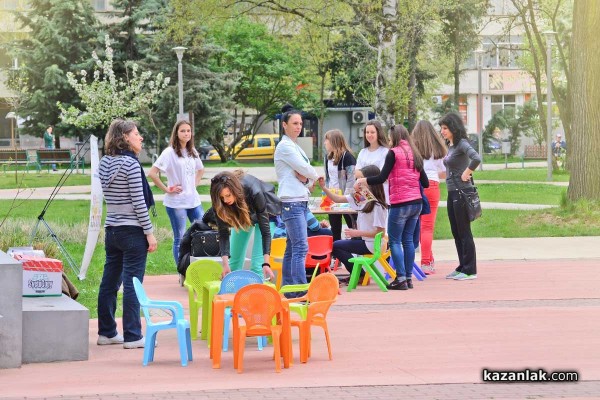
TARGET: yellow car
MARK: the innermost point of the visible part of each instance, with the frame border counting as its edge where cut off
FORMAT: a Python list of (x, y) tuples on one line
[(262, 147)]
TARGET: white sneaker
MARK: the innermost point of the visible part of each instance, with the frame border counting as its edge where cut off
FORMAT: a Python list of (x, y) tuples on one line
[(103, 340), (138, 344)]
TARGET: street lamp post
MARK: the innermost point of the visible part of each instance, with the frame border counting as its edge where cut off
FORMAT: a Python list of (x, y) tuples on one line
[(179, 51), (549, 41), (479, 57), (12, 116)]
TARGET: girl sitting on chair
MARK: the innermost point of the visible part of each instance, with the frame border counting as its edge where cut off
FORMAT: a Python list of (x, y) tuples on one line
[(372, 219)]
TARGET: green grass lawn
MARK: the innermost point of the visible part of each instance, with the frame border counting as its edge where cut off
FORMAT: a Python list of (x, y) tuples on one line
[(43, 179), (520, 193), (520, 174)]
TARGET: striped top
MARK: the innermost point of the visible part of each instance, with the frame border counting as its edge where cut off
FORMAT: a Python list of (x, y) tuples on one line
[(123, 193)]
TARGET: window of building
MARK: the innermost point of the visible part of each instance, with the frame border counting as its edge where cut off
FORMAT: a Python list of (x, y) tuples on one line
[(9, 4), (99, 5), (502, 52), (501, 7), (502, 101)]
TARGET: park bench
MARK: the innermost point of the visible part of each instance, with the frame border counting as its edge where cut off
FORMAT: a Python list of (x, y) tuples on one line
[(57, 156), (17, 157)]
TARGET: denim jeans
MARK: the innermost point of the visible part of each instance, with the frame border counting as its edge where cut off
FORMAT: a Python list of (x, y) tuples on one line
[(344, 250), (461, 231), (294, 270), (177, 217), (126, 250), (402, 222), (238, 243)]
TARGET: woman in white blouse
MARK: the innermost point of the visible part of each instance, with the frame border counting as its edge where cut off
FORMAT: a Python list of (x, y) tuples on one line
[(181, 164), (295, 176), (375, 150)]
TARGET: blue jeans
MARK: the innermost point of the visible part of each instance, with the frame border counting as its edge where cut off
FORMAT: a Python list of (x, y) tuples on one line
[(401, 229), (294, 269), (126, 250), (177, 217)]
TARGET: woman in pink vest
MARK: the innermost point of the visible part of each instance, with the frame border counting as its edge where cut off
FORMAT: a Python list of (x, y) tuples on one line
[(403, 169)]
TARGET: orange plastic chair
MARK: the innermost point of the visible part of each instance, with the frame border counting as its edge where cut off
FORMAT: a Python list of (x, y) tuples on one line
[(322, 293), (257, 304), (276, 258), (319, 252)]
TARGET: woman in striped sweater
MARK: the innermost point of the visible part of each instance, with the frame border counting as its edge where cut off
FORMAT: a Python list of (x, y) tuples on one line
[(129, 233)]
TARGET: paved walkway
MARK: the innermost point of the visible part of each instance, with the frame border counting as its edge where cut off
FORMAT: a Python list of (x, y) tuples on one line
[(431, 342), (535, 305)]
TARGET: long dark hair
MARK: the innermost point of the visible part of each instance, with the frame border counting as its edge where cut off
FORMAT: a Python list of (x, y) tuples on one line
[(176, 145), (236, 215), (377, 190), (288, 110), (398, 133), (428, 141), (454, 123)]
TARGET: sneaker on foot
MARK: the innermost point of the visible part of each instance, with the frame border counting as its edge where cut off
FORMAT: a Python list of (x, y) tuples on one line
[(452, 274), (409, 283), (428, 269), (398, 285), (464, 277), (103, 340), (138, 344)]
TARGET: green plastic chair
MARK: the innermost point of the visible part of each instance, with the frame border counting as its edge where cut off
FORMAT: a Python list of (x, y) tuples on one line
[(198, 273), (367, 263), (302, 287), (296, 306)]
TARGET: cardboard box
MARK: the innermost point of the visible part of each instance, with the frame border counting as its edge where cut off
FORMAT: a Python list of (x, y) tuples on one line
[(41, 276)]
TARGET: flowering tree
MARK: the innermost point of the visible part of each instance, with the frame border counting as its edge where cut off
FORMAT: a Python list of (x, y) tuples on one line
[(107, 97)]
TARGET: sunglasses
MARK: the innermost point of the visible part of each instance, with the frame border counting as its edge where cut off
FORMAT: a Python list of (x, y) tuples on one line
[(217, 179)]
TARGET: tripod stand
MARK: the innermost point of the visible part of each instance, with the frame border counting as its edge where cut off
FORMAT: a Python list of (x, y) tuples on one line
[(40, 218)]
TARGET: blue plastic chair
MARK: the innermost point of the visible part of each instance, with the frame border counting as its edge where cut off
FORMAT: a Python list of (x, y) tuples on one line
[(231, 284), (177, 322), (417, 272)]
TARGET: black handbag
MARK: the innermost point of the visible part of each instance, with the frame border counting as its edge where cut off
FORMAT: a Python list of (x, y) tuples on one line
[(471, 199), (205, 244)]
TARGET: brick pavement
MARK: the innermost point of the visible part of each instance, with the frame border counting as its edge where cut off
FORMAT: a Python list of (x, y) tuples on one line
[(428, 343), (461, 391)]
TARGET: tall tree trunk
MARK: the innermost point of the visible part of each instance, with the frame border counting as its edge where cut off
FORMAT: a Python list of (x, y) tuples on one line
[(412, 101), (456, 74), (321, 118), (585, 98), (386, 60)]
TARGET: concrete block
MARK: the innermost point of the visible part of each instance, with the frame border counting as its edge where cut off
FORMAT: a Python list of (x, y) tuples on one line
[(54, 329), (11, 309)]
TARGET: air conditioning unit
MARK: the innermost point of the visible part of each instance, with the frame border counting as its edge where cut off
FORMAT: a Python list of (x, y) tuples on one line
[(359, 117), (436, 99)]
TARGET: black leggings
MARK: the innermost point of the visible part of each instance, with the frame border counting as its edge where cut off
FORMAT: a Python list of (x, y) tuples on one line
[(336, 224), (461, 231)]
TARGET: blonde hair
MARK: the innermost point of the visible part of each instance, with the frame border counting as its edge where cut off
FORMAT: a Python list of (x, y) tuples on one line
[(236, 215), (338, 142), (428, 141)]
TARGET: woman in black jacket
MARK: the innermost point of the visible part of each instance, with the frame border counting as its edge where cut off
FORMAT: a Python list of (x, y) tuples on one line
[(246, 204)]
